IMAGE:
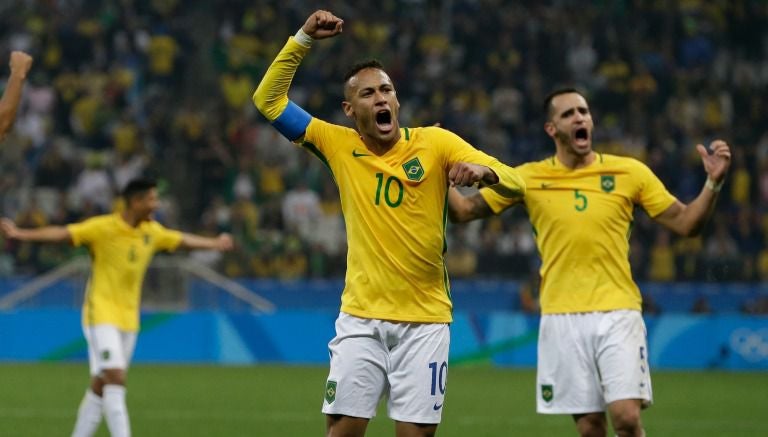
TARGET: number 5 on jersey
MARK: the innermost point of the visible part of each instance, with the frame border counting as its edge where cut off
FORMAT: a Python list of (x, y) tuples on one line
[(581, 201)]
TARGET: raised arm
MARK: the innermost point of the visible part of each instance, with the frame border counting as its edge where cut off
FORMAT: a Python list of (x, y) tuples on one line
[(271, 96), (221, 243), (45, 234), (688, 220), (463, 208), (20, 64)]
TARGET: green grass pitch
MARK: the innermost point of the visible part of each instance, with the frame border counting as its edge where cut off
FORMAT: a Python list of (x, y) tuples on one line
[(190, 401)]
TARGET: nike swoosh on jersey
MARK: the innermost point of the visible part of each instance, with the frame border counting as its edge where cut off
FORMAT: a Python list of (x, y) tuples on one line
[(357, 155), (437, 407)]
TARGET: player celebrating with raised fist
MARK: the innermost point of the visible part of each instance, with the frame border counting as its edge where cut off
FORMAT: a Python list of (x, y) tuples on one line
[(392, 334)]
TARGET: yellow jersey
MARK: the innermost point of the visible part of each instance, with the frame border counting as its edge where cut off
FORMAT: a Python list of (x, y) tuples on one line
[(582, 221), (120, 256), (395, 209), (394, 205)]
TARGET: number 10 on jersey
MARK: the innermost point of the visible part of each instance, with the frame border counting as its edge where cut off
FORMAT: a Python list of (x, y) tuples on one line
[(387, 195)]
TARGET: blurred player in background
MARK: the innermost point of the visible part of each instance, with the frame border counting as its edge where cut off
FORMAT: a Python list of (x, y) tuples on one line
[(121, 246), (592, 353), (20, 64), (392, 334)]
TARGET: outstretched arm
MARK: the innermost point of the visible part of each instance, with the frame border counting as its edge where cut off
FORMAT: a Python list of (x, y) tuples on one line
[(271, 96), (500, 178), (688, 220), (46, 234), (221, 243), (20, 64), (463, 208), (466, 174)]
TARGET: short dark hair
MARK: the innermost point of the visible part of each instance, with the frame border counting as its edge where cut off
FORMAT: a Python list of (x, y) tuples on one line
[(370, 63), (558, 92), (137, 187)]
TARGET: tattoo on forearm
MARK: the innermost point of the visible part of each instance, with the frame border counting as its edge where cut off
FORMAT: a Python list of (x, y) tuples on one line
[(479, 208)]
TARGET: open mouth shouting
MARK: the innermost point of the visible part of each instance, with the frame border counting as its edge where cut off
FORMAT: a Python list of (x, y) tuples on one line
[(581, 138), (384, 121)]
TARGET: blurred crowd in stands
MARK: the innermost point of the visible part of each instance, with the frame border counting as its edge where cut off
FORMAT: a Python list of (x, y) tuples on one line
[(121, 88)]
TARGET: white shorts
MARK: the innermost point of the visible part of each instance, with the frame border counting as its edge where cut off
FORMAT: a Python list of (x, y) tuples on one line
[(108, 347), (588, 360), (407, 362)]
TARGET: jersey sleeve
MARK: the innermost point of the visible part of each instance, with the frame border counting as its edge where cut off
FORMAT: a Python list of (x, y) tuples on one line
[(321, 137), (271, 96), (166, 239), (85, 232), (510, 185), (497, 202), (653, 196)]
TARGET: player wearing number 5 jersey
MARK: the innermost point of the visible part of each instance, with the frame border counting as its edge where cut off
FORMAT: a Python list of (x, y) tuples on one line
[(392, 332), (592, 353)]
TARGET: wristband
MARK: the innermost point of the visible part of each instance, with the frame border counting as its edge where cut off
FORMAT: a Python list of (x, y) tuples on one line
[(715, 187), (302, 38)]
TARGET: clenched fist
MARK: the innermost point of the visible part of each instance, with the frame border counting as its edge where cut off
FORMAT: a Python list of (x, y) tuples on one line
[(20, 63), (322, 24)]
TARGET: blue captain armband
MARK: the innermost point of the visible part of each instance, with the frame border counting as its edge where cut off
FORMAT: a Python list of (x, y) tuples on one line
[(293, 122)]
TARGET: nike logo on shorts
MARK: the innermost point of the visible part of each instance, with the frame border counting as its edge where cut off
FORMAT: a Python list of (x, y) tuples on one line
[(437, 407)]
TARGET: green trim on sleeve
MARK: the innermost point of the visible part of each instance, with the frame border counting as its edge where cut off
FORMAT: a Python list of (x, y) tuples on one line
[(315, 151)]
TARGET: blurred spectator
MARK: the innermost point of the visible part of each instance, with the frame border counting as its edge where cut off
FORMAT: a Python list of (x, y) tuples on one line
[(27, 253), (460, 260), (740, 182), (163, 51), (124, 88), (687, 256), (722, 244), (762, 262), (722, 254), (301, 211), (292, 262), (662, 263), (53, 169), (94, 184)]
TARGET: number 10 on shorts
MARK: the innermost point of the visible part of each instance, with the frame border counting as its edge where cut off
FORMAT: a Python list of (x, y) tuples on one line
[(438, 377)]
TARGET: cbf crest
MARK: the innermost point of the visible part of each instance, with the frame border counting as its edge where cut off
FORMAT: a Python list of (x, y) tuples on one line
[(607, 183), (547, 392), (330, 391), (413, 170)]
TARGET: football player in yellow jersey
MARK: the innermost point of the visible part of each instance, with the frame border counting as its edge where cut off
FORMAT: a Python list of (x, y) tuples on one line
[(20, 64), (121, 246), (392, 334), (592, 353)]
